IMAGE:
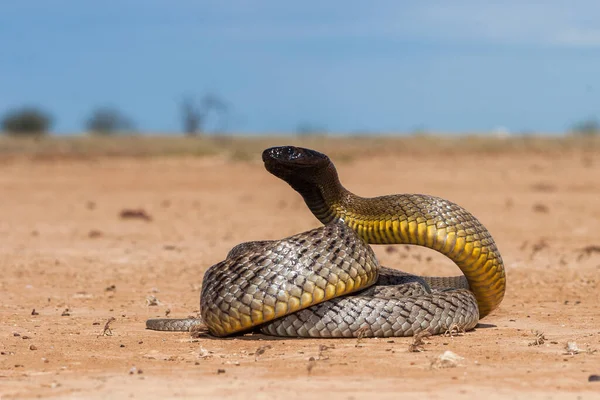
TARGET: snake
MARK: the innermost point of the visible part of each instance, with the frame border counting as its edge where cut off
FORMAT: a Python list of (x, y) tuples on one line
[(327, 282)]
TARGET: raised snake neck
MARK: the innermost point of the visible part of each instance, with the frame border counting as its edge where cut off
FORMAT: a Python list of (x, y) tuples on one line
[(400, 219), (243, 291)]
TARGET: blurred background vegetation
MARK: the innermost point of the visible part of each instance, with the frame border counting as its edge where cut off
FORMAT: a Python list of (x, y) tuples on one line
[(109, 132), (325, 77), (35, 121)]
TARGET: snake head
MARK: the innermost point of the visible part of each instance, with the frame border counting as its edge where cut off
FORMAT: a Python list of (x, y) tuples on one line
[(292, 163)]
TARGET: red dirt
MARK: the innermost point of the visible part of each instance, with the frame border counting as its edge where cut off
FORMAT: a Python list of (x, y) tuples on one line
[(65, 252)]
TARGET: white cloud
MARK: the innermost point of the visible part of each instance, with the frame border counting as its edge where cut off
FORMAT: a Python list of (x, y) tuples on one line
[(513, 22), (579, 37)]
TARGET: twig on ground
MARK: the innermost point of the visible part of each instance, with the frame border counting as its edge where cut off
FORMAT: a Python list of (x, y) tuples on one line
[(418, 343), (260, 351), (361, 334), (539, 338), (107, 331), (454, 330)]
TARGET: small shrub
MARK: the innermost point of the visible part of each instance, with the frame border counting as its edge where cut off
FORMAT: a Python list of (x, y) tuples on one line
[(194, 115), (589, 127), (107, 121), (26, 121)]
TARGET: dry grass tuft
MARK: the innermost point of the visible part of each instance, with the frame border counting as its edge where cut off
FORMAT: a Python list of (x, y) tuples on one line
[(418, 344), (344, 149), (539, 339)]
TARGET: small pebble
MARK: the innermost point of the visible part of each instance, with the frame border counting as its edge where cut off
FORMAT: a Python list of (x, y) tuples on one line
[(32, 347), (594, 378), (447, 359), (571, 348), (94, 233)]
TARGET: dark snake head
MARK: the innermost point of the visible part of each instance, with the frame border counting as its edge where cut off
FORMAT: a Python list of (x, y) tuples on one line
[(294, 164)]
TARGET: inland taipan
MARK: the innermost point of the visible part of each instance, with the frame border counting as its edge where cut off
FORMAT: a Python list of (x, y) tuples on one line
[(327, 282)]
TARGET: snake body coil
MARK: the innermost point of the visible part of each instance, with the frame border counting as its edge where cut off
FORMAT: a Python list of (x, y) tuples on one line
[(300, 286)]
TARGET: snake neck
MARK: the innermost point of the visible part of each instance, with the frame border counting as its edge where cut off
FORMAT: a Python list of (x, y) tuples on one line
[(326, 198), (413, 219)]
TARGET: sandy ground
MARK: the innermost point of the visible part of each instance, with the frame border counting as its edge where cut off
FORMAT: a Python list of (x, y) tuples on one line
[(66, 253)]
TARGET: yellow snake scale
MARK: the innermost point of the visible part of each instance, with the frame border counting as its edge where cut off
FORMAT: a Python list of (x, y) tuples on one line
[(327, 282)]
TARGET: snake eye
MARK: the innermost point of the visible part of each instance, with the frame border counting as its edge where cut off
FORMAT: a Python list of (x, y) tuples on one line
[(293, 155), (281, 153)]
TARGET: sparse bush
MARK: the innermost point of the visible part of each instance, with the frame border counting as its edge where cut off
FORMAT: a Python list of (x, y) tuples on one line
[(192, 117), (108, 121), (588, 127), (195, 114), (420, 131), (26, 121)]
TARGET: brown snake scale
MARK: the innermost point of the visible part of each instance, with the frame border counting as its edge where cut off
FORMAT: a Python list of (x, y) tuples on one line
[(327, 282)]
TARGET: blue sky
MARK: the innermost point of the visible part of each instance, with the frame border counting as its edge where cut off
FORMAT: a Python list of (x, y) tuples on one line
[(346, 66)]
